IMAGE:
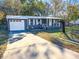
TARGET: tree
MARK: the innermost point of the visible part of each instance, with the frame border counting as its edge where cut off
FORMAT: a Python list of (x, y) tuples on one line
[(32, 7), (57, 6), (26, 7), (2, 16), (58, 10), (72, 12), (14, 5)]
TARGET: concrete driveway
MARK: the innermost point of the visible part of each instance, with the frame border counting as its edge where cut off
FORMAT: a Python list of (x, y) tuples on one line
[(34, 47)]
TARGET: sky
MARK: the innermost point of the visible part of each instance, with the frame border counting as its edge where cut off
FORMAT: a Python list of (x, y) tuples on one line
[(72, 1)]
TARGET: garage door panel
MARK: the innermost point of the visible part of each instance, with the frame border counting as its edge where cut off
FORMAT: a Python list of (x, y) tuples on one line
[(17, 25)]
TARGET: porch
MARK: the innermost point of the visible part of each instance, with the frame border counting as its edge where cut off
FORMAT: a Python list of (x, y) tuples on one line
[(33, 24), (42, 24), (36, 30)]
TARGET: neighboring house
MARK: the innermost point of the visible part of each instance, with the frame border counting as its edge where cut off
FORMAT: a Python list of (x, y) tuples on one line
[(32, 23), (75, 22)]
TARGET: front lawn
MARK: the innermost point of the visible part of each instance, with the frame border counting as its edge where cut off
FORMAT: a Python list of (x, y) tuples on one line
[(3, 42), (60, 39), (72, 28), (71, 31)]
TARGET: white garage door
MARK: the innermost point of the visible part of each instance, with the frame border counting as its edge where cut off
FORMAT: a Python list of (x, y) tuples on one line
[(16, 25)]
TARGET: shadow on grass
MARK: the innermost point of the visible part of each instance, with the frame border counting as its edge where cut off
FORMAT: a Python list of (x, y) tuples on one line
[(67, 36), (73, 40), (59, 44)]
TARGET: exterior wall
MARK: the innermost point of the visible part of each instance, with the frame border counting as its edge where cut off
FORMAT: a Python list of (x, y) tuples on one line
[(40, 21), (14, 26), (37, 22), (33, 21)]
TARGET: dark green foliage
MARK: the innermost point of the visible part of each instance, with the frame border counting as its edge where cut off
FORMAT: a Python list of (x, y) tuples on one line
[(22, 1), (26, 7), (33, 7)]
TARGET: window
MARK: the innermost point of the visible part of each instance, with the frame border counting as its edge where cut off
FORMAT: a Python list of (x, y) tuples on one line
[(38, 21), (10, 20), (44, 21), (15, 20), (18, 20)]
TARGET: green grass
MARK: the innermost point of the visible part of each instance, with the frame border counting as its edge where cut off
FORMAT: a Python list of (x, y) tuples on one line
[(3, 40), (61, 38), (52, 36), (3, 32), (3, 37), (76, 35), (69, 31), (72, 28)]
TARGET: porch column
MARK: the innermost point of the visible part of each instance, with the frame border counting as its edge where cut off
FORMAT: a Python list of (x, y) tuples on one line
[(50, 22), (59, 24), (54, 22), (29, 21), (47, 22), (41, 21), (36, 21), (33, 21)]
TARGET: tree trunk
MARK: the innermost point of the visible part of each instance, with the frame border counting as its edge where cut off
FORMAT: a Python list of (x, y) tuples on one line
[(63, 26)]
